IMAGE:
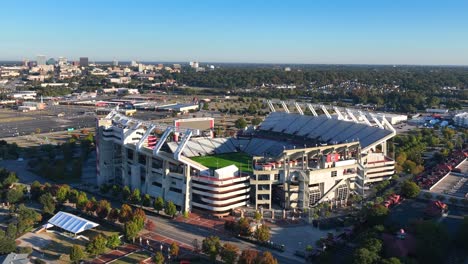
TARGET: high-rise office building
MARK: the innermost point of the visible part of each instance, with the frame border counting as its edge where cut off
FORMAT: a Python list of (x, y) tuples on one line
[(115, 63), (84, 61), (41, 60)]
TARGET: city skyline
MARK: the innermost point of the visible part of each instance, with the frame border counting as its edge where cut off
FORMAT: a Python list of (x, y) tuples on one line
[(420, 32)]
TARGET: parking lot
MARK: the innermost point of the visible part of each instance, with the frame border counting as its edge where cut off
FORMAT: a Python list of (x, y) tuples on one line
[(16, 123)]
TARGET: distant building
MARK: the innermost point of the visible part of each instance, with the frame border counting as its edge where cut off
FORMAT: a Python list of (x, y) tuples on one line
[(436, 111), (461, 119), (194, 64), (288, 69), (24, 95), (115, 63), (134, 63), (62, 61), (41, 60), (181, 108), (50, 61), (84, 61)]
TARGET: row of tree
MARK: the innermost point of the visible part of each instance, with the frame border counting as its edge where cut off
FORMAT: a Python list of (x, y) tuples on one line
[(135, 197), (229, 253)]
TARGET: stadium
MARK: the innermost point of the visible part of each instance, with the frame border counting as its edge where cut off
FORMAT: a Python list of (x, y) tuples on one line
[(290, 160)]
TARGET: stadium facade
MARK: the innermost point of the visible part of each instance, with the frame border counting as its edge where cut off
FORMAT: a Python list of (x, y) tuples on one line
[(297, 161)]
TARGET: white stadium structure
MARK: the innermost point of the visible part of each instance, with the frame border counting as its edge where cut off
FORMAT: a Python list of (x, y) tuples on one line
[(295, 160)]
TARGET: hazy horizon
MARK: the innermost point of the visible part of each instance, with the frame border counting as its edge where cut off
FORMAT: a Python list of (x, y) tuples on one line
[(297, 32)]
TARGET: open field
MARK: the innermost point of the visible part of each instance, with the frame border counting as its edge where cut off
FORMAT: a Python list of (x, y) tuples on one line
[(241, 160)]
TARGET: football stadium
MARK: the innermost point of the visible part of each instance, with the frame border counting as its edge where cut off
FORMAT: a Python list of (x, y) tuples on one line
[(291, 160)]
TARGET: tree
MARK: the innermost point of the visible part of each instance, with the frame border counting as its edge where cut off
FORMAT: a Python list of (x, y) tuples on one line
[(139, 217), (113, 215), (48, 203), (36, 189), (256, 121), (116, 190), (11, 231), (267, 258), (62, 193), (150, 225), (174, 250), (125, 213), (257, 216), (243, 227), (26, 218), (131, 230), (136, 196), (248, 256), (72, 196), (390, 261), (376, 214), (158, 204), (146, 200), (170, 209), (158, 258), (82, 201), (365, 256), (113, 241), (103, 209), (7, 245), (240, 123), (126, 193), (14, 195), (9, 180), (76, 254), (410, 189), (372, 244), (262, 233), (97, 245), (211, 246), (229, 253), (91, 205)]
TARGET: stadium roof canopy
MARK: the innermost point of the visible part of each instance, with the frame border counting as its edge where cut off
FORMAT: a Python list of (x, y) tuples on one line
[(71, 223), (323, 128)]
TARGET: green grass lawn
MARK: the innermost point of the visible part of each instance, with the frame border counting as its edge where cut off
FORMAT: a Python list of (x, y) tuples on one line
[(133, 258), (241, 160)]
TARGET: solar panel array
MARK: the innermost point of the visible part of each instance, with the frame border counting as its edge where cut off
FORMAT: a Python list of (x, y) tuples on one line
[(322, 128)]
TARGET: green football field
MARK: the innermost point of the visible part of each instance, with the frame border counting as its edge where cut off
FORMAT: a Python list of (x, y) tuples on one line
[(241, 160)]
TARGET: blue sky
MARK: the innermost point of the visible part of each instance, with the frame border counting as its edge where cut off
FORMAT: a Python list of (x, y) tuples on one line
[(310, 31)]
